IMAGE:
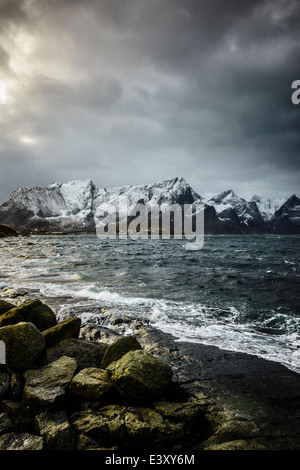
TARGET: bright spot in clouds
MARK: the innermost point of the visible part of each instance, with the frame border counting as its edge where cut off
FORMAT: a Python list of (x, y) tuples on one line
[(27, 140)]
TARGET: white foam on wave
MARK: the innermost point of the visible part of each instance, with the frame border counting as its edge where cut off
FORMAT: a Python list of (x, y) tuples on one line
[(190, 322)]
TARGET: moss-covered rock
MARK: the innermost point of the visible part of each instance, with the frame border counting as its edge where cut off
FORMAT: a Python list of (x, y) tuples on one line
[(70, 327), (56, 430), (5, 306), (33, 311), (172, 425), (86, 353), (106, 426), (45, 388), (118, 348), (25, 346), (91, 383), (140, 376)]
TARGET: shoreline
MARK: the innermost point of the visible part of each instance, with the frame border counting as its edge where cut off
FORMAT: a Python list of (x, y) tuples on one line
[(249, 403)]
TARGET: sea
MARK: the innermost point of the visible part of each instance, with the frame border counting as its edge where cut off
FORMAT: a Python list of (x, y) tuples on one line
[(238, 292)]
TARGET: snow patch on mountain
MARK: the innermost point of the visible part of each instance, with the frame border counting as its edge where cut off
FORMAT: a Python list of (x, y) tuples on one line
[(267, 206), (229, 206)]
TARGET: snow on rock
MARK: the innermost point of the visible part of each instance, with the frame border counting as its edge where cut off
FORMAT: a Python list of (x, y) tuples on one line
[(267, 206), (229, 206), (79, 205)]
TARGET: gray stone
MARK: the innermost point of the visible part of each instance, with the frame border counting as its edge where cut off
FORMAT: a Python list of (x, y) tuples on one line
[(70, 327), (45, 387), (91, 383), (33, 311), (20, 441), (56, 430), (86, 353), (140, 375), (25, 346), (118, 348)]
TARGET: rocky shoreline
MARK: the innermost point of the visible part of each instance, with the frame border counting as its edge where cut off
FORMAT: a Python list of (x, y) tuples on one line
[(120, 385)]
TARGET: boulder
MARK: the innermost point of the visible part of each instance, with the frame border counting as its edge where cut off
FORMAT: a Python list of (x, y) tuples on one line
[(165, 425), (106, 425), (86, 353), (5, 306), (70, 327), (20, 441), (25, 346), (118, 348), (140, 376), (21, 418), (45, 388), (56, 430), (33, 311), (91, 383)]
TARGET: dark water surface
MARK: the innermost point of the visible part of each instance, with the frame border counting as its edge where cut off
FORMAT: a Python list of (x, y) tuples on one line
[(238, 292)]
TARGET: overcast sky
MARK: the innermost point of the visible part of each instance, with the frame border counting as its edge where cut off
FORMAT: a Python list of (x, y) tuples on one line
[(136, 91)]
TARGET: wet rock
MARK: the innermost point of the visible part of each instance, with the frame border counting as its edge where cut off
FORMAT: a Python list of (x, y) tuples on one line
[(100, 333), (20, 441), (141, 376), (91, 384), (33, 311), (55, 428), (25, 346), (70, 327), (45, 388), (86, 353), (118, 348)]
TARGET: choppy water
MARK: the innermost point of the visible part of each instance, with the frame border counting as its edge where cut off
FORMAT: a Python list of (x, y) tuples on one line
[(239, 292)]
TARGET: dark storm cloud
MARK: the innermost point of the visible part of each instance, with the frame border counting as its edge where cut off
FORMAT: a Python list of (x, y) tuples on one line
[(131, 91)]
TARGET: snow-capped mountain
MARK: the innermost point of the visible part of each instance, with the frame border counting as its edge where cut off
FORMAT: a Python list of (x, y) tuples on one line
[(230, 207), (287, 218), (267, 207), (54, 207), (78, 206)]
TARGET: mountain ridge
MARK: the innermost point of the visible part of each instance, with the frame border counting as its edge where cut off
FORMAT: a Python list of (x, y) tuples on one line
[(77, 206)]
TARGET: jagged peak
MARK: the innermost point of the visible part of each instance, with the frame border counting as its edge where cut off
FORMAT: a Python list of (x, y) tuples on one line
[(224, 196)]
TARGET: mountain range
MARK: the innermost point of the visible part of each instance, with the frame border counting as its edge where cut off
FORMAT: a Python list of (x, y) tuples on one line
[(77, 206)]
